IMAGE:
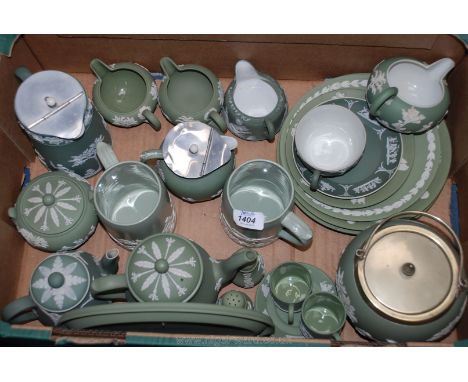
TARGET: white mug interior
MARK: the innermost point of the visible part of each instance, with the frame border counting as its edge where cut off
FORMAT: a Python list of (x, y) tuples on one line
[(330, 138), (255, 97)]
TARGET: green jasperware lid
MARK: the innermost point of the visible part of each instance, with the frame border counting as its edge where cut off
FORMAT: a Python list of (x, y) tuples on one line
[(59, 283), (52, 203), (165, 268)]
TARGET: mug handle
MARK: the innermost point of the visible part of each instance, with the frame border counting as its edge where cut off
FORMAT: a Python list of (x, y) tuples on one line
[(152, 120), (20, 311), (381, 99), (111, 287), (270, 130), (106, 155), (145, 156), (298, 233), (22, 73), (337, 337), (290, 314), (218, 120), (314, 180)]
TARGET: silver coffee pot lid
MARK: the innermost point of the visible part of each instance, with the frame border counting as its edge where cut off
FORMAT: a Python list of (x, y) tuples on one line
[(51, 103), (194, 149)]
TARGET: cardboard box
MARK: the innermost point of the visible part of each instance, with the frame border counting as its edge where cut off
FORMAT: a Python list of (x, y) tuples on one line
[(299, 62)]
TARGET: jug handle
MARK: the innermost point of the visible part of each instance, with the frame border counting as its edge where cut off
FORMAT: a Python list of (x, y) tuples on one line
[(111, 287), (145, 156), (381, 99), (314, 180), (152, 120), (22, 73), (218, 120), (106, 155), (295, 231), (99, 68), (20, 311), (270, 130), (168, 66)]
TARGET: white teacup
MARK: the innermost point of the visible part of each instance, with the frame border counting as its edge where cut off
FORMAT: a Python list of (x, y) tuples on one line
[(330, 139)]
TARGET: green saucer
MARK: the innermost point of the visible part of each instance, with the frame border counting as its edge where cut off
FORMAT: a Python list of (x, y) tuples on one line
[(264, 302)]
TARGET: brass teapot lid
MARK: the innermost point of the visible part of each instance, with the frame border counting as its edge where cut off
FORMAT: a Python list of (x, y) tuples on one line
[(194, 149), (52, 103), (409, 272)]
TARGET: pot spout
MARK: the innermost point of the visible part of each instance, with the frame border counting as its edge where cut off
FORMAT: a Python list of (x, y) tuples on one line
[(439, 69), (245, 71), (110, 262), (238, 260)]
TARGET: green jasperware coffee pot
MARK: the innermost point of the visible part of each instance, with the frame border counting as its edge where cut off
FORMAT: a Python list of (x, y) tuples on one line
[(60, 283), (125, 94), (407, 95), (402, 280), (55, 212), (194, 161), (170, 268), (64, 128), (191, 93)]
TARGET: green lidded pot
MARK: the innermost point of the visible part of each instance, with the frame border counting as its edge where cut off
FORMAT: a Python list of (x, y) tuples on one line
[(170, 268), (125, 94), (235, 299), (407, 95), (61, 122), (55, 212), (59, 284), (194, 160), (402, 280), (191, 93), (255, 104)]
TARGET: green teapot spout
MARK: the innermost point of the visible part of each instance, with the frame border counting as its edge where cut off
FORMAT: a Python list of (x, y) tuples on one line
[(110, 262), (99, 68), (230, 267), (168, 66)]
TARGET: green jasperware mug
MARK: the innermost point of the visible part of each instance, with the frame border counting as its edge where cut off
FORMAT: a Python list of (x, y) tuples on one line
[(322, 316), (256, 207), (131, 200), (125, 94), (407, 95), (61, 122), (255, 104), (59, 284), (55, 211), (191, 93), (290, 284)]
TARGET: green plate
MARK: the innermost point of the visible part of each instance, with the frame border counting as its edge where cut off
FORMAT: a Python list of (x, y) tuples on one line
[(285, 150), (265, 305), (379, 161), (421, 204), (170, 317)]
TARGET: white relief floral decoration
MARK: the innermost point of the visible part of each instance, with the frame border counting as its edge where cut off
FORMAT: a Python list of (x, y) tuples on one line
[(377, 81)]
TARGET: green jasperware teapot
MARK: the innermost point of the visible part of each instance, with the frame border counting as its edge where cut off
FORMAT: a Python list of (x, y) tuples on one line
[(125, 94), (60, 283), (407, 95), (402, 280), (191, 93), (55, 212), (170, 268)]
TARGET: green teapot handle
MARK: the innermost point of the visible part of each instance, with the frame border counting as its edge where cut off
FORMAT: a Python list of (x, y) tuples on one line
[(381, 99), (152, 120), (22, 73), (270, 130), (145, 156), (314, 180), (111, 287), (218, 120), (20, 311), (99, 68), (290, 314), (168, 66), (295, 231)]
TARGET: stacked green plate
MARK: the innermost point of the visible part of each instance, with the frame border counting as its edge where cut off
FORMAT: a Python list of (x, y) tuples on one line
[(397, 171)]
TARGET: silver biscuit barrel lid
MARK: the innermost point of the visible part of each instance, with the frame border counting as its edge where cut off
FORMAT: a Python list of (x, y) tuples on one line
[(51, 103), (194, 149)]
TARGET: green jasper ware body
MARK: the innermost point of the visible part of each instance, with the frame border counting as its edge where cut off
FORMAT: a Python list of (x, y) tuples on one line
[(191, 93), (55, 212), (255, 128), (250, 275), (368, 322), (59, 284), (397, 114), (196, 189), (125, 94)]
